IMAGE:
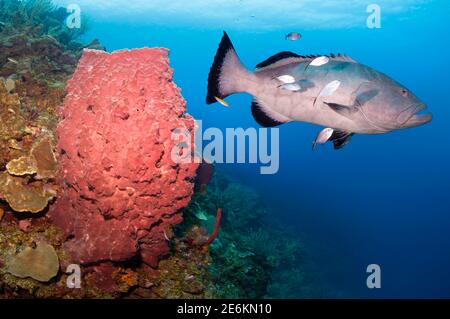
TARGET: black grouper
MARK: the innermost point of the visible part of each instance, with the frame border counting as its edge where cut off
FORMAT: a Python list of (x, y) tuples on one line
[(333, 91)]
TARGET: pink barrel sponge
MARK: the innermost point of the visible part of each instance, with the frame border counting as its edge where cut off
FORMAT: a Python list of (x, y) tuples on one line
[(122, 192)]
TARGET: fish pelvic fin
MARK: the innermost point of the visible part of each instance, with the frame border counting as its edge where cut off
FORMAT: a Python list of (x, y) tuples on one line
[(227, 75), (265, 116), (341, 138)]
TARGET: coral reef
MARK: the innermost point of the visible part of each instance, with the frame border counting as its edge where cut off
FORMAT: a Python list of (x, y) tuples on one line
[(184, 275), (42, 18), (122, 191), (252, 251), (39, 54), (30, 252), (105, 158), (34, 68)]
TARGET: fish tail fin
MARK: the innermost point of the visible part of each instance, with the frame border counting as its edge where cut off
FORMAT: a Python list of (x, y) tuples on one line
[(227, 75)]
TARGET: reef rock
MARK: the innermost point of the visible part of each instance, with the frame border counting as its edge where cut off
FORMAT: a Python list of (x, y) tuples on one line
[(122, 191)]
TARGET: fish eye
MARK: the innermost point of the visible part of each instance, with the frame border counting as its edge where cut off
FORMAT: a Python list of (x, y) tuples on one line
[(405, 93)]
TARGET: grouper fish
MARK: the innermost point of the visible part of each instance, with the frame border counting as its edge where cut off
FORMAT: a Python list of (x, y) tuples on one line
[(361, 100)]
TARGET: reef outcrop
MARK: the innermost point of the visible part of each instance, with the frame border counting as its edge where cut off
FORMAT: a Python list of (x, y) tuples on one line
[(122, 192)]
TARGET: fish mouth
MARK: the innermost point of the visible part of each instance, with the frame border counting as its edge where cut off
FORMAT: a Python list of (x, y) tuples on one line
[(411, 117)]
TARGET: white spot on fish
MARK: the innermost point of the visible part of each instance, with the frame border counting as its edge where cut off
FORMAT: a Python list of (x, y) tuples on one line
[(323, 137), (294, 87), (320, 61), (328, 90), (286, 79)]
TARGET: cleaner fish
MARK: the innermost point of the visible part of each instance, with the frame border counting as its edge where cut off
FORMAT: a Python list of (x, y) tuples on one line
[(365, 101)]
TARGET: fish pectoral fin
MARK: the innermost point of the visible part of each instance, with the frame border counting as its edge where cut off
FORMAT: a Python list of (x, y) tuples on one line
[(266, 117), (340, 138), (344, 110)]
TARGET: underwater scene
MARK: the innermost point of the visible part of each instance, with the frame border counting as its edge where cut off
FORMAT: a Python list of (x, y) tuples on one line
[(234, 149)]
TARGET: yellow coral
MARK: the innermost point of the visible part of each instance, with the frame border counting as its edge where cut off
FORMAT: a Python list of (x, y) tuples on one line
[(13, 144), (126, 279), (21, 196), (130, 278), (24, 165)]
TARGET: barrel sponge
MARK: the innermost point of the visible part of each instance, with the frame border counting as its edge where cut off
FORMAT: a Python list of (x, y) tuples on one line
[(122, 191)]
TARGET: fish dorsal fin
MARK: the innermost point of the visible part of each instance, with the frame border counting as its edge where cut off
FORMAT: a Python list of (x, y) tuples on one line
[(276, 58), (286, 57), (341, 57)]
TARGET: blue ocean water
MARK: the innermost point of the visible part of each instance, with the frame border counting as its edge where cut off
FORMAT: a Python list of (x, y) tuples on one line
[(383, 199)]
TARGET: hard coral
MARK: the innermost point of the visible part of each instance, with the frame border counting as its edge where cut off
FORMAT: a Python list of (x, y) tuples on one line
[(122, 192), (15, 242), (42, 161), (46, 164), (23, 196), (34, 67), (24, 165), (40, 263)]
